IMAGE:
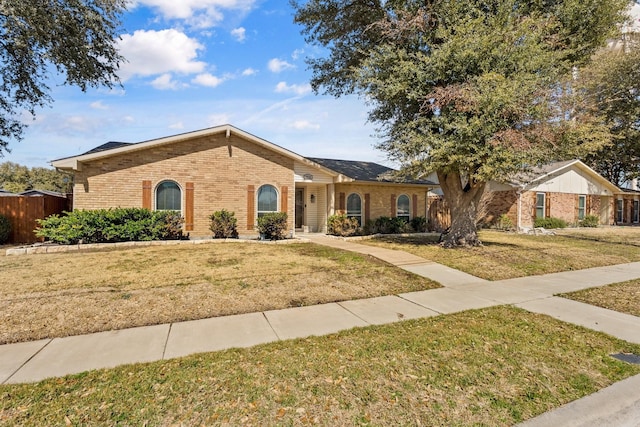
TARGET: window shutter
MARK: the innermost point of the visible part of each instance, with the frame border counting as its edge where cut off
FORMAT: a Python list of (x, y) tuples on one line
[(588, 205), (251, 207), (146, 194), (188, 209), (367, 206), (577, 212), (534, 213), (547, 205), (342, 203), (394, 209), (284, 198), (415, 205)]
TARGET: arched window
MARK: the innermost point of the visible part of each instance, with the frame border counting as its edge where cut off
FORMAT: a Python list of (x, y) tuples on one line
[(354, 207), (168, 196), (267, 200), (402, 207)]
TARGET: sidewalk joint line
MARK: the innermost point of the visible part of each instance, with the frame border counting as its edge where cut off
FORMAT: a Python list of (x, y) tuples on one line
[(27, 361), (271, 326), (166, 341)]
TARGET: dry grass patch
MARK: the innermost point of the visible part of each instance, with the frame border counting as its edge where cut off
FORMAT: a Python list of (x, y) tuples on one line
[(56, 295), (624, 235), (509, 255), (622, 297), (497, 367)]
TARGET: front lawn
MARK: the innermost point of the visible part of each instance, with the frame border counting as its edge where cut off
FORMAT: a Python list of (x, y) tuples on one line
[(494, 367), (509, 255), (55, 295), (623, 297)]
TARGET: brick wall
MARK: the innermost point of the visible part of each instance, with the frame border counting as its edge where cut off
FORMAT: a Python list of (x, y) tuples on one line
[(221, 171), (494, 204), (381, 196)]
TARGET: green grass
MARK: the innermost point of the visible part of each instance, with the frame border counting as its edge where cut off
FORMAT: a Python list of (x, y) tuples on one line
[(623, 297), (496, 367), (509, 255)]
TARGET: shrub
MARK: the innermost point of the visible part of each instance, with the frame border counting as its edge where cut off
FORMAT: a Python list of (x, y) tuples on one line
[(550, 223), (5, 229), (224, 224), (504, 223), (342, 225), (419, 224), (111, 225), (590, 221), (273, 226), (387, 225)]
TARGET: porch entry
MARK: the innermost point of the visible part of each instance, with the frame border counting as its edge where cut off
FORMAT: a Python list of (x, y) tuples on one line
[(299, 207)]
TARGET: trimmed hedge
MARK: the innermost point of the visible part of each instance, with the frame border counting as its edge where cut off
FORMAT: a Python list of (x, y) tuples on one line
[(111, 225), (273, 226), (342, 225), (550, 223), (224, 225), (590, 221), (5, 229)]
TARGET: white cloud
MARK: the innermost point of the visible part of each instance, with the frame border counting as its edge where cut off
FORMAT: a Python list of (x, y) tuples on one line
[(157, 52), (199, 13), (239, 34), (249, 72), (277, 65), (219, 119), (165, 82), (304, 125), (98, 105), (297, 53), (283, 87), (177, 125), (208, 80)]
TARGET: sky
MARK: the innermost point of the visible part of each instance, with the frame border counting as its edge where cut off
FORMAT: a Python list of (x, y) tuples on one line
[(194, 64)]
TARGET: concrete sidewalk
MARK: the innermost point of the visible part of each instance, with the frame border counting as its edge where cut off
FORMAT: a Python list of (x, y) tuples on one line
[(34, 361)]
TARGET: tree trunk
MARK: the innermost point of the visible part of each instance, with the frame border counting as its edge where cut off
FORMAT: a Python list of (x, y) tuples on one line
[(463, 200)]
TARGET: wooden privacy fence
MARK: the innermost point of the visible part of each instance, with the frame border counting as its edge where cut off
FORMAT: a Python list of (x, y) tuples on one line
[(22, 212)]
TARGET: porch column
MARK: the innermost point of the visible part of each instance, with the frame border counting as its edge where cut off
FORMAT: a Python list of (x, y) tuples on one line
[(331, 199)]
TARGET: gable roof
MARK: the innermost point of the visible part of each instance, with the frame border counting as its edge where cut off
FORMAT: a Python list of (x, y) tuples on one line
[(363, 171), (115, 148), (539, 174), (107, 146), (35, 192)]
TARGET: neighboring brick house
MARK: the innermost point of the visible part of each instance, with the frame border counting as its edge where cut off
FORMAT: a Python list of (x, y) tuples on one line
[(568, 190), (224, 167)]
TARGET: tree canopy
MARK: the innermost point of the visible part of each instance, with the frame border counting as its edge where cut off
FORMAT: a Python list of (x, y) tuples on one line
[(17, 178), (610, 89), (471, 90), (73, 37)]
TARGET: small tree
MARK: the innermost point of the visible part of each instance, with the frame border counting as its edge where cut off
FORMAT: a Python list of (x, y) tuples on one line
[(224, 224)]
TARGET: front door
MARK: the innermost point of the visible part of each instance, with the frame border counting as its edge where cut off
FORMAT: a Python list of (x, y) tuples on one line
[(299, 207)]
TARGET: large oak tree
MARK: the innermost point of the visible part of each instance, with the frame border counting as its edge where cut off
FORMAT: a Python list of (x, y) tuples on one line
[(37, 37), (472, 90)]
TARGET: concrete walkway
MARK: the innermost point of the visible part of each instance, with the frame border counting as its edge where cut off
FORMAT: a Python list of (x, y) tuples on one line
[(34, 361)]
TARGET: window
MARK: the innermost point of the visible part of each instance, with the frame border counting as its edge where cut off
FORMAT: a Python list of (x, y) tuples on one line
[(402, 207), (168, 196), (636, 211), (582, 203), (540, 205), (619, 210), (267, 200), (354, 207)]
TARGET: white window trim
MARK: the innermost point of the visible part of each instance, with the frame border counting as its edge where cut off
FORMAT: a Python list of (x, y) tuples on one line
[(155, 195), (544, 205), (361, 216), (258, 212), (408, 215), (584, 206)]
